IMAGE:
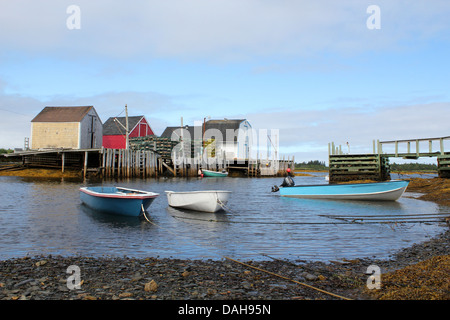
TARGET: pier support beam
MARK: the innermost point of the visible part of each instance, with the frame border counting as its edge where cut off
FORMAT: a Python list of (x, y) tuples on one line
[(85, 164)]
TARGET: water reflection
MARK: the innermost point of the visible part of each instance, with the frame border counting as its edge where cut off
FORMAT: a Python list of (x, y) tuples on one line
[(110, 221)]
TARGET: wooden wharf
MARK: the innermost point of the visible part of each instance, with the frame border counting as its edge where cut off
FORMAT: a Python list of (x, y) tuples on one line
[(88, 160), (375, 166), (144, 163)]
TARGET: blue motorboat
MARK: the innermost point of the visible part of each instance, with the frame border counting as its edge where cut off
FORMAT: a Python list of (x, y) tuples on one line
[(117, 200), (384, 191)]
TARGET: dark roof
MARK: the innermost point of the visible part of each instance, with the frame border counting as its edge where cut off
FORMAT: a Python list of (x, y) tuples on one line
[(221, 125), (169, 130), (111, 128), (62, 114)]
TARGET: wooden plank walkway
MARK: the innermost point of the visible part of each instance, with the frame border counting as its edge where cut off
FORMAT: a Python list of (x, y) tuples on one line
[(413, 148)]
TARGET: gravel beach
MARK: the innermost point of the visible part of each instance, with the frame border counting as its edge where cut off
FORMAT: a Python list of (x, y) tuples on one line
[(50, 277), (87, 278)]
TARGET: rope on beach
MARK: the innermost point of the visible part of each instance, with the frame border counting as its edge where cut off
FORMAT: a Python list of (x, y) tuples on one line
[(289, 279), (259, 269)]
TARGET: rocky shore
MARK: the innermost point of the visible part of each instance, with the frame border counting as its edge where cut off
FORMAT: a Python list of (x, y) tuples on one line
[(417, 272), (54, 277)]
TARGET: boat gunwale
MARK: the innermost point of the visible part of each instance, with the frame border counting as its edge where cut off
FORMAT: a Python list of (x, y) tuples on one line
[(199, 191), (344, 184), (144, 194), (344, 194)]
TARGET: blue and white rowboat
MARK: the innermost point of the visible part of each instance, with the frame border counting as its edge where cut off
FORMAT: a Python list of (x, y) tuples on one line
[(117, 200), (384, 191)]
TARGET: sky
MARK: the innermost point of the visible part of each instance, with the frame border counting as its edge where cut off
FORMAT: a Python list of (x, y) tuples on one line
[(348, 71)]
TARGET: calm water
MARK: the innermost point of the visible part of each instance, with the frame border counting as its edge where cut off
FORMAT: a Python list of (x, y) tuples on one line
[(47, 217)]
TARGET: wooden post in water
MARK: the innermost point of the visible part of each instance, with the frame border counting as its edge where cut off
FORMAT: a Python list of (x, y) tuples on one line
[(105, 162), (85, 164), (128, 162), (113, 162), (108, 162)]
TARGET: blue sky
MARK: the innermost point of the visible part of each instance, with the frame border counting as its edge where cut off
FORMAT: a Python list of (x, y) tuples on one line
[(311, 69)]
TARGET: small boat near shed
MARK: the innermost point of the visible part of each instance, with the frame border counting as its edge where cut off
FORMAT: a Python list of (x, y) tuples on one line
[(117, 200), (205, 201), (373, 191), (210, 173)]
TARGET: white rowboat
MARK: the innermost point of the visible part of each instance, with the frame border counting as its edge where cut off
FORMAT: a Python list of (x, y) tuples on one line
[(206, 201)]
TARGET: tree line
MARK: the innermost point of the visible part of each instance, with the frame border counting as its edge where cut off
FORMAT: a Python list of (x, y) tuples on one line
[(321, 165), (413, 167), (313, 164), (2, 151)]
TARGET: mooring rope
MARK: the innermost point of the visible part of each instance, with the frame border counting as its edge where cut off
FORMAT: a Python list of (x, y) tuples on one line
[(222, 205), (253, 267), (343, 220)]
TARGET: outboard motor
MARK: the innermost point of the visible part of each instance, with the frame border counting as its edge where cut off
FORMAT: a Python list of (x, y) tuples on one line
[(287, 182)]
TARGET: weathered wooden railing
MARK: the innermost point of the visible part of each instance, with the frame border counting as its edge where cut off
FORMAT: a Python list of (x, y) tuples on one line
[(413, 154)]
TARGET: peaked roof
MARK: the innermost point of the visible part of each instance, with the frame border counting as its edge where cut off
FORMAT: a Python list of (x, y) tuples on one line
[(111, 128), (221, 125), (62, 114), (169, 130)]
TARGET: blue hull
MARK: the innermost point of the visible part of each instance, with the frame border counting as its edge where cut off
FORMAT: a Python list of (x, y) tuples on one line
[(384, 191), (119, 201)]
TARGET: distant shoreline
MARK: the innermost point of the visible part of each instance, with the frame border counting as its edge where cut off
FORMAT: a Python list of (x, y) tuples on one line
[(41, 173), (70, 173)]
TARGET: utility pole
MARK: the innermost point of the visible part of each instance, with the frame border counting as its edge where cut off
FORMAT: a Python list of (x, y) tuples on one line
[(127, 143)]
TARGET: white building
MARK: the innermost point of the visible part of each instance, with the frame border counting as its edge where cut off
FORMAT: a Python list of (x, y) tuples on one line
[(229, 138)]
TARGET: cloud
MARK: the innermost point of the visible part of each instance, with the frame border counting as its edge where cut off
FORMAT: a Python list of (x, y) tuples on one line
[(308, 132), (217, 30), (17, 111), (302, 132)]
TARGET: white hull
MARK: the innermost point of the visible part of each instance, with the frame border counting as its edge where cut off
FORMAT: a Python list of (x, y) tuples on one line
[(206, 201)]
